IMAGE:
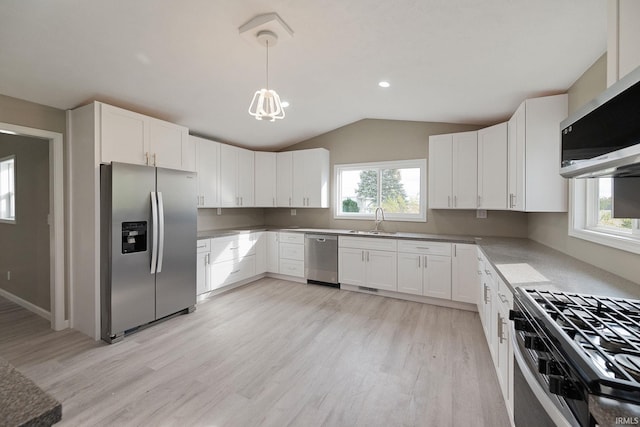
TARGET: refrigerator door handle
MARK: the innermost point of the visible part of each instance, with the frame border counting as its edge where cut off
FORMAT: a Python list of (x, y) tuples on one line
[(154, 225), (161, 232)]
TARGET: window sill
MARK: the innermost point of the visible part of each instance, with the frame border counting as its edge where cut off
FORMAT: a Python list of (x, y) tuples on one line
[(623, 243)]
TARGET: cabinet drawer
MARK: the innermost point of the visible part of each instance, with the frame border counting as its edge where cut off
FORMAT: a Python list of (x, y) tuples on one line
[(297, 238), (424, 247), (231, 247), (227, 272), (203, 245), (292, 251), (373, 243), (504, 294), (292, 267)]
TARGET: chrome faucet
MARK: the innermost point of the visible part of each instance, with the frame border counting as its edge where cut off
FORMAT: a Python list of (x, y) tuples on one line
[(378, 221)]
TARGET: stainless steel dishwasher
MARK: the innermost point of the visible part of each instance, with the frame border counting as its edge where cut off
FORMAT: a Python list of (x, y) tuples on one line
[(321, 259)]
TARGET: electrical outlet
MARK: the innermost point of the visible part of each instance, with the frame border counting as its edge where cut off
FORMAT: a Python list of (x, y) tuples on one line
[(8, 275), (293, 212), (481, 213), (219, 211)]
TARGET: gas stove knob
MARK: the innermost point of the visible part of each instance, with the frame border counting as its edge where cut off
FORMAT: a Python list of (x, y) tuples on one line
[(515, 315), (549, 367), (534, 342), (522, 325), (564, 387)]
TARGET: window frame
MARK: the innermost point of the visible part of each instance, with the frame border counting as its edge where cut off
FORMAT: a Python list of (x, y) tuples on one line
[(584, 214), (391, 164), (13, 194)]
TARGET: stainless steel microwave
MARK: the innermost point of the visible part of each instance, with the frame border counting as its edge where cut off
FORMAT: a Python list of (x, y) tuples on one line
[(603, 137)]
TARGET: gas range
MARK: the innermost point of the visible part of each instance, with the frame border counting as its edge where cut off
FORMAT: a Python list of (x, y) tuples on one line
[(580, 346)]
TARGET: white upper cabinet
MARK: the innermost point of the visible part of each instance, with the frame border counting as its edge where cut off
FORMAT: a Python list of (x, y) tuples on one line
[(236, 176), (284, 179), (492, 167), (623, 41), (534, 183), (265, 179), (207, 158), (303, 178), (453, 169), (130, 137)]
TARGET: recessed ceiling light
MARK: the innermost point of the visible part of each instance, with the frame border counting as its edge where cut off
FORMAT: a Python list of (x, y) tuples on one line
[(384, 84), (285, 104)]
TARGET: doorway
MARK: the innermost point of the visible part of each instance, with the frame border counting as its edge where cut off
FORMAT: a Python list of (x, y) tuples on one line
[(56, 313)]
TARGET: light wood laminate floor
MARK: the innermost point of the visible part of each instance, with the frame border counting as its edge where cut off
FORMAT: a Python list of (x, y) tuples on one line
[(273, 353)]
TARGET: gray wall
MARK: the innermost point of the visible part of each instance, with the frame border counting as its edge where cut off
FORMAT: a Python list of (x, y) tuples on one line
[(551, 229), (208, 219), (25, 245), (24, 113), (373, 140)]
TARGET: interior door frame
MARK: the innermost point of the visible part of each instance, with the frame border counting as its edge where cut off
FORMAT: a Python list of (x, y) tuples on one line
[(56, 220)]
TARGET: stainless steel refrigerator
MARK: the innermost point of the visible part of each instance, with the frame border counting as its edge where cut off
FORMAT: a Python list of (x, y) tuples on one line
[(148, 246)]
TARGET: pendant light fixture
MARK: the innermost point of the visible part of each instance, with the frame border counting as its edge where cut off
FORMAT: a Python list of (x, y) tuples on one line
[(265, 104)]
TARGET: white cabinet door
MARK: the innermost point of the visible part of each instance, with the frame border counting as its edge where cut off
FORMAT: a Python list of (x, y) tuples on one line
[(284, 179), (236, 176), (202, 273), (492, 167), (123, 136), (245, 177), (228, 176), (298, 193), (437, 276), (440, 171), (165, 143), (382, 270), (265, 179), (465, 170), (351, 266), (516, 170), (464, 271), (207, 165), (260, 247), (316, 178), (410, 273), (273, 252)]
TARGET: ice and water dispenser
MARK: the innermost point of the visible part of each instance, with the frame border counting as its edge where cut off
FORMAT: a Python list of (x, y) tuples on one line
[(134, 237)]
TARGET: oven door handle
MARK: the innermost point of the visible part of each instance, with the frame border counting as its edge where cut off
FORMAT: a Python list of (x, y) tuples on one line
[(554, 413)]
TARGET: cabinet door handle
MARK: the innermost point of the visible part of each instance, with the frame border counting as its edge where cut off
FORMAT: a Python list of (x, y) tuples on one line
[(503, 298), (419, 261), (423, 247), (486, 294), (362, 255), (425, 261), (455, 201), (207, 259), (501, 324), (488, 272), (448, 201), (455, 250), (289, 201), (367, 256), (146, 156), (154, 159)]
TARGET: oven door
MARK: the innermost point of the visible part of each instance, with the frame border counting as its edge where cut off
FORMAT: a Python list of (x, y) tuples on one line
[(533, 404)]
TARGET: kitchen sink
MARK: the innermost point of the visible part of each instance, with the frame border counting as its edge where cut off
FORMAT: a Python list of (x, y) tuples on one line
[(373, 233)]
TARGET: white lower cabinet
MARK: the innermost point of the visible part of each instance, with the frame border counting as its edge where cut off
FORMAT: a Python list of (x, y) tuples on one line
[(368, 262), (203, 257), (273, 252), (291, 254), (428, 275), (464, 273)]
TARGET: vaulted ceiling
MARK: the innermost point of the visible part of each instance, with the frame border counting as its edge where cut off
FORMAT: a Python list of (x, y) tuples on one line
[(464, 61)]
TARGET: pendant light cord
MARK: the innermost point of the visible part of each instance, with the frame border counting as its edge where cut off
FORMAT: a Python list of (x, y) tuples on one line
[(267, 64)]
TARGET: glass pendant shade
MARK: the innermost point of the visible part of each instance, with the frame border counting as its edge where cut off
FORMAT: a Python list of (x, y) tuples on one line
[(266, 105)]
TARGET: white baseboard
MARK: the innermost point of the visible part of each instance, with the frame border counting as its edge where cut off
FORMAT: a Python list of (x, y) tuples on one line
[(26, 304)]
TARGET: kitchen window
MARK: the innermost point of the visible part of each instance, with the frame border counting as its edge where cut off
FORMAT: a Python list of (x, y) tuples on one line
[(398, 187), (591, 216), (8, 190)]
